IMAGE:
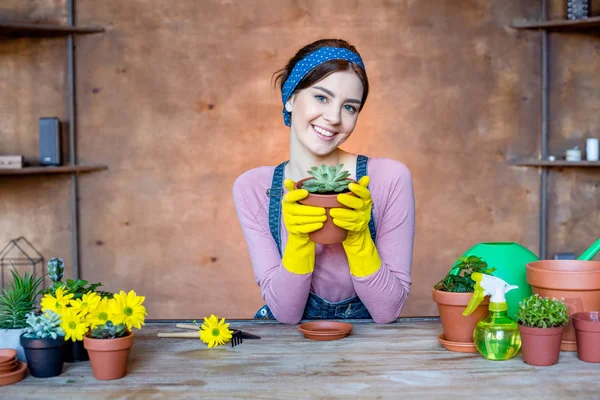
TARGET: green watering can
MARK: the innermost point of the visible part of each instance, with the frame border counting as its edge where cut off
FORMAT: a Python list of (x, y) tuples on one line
[(510, 260)]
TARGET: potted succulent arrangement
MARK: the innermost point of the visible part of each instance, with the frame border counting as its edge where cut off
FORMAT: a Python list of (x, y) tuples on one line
[(76, 302), (323, 187), (16, 301), (43, 340), (587, 331), (541, 324), (110, 341), (452, 295)]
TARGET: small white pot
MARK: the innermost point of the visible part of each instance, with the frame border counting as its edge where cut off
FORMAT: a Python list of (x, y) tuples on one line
[(11, 339)]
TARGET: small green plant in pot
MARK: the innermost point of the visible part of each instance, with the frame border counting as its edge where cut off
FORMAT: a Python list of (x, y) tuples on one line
[(16, 301), (542, 321), (324, 185), (452, 295), (43, 341)]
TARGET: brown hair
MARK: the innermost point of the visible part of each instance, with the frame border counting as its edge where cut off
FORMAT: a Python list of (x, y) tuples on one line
[(322, 70)]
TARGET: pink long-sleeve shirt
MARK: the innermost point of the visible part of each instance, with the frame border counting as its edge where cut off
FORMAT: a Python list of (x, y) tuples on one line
[(383, 293)]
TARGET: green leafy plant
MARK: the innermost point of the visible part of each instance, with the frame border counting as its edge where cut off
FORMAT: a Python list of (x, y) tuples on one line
[(18, 299), (327, 180), (108, 330), (542, 312), (459, 279), (43, 325), (77, 287)]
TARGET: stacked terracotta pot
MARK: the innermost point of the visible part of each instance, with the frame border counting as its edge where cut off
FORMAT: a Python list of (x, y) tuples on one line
[(578, 283)]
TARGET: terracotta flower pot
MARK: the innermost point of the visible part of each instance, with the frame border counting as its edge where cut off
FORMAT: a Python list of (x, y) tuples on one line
[(578, 282), (540, 346), (329, 233), (109, 357), (457, 327), (587, 330)]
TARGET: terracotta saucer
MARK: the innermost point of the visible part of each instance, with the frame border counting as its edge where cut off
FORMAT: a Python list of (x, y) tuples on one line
[(461, 347), (325, 330), (8, 367), (15, 376), (7, 355)]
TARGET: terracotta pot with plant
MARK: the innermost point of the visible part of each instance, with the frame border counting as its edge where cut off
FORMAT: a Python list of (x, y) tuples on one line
[(323, 188), (541, 323), (452, 295), (109, 343), (16, 301), (43, 342)]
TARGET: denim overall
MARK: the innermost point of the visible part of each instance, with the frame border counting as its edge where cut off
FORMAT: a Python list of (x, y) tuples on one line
[(316, 306)]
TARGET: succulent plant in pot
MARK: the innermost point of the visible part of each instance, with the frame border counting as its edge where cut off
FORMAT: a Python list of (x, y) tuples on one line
[(16, 301), (43, 341), (325, 183), (452, 295), (109, 342), (542, 321)]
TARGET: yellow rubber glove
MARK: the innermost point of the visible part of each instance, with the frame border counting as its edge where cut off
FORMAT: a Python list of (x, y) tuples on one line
[(300, 220), (362, 254)]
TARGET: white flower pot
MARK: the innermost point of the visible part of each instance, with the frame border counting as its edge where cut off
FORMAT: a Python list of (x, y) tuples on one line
[(11, 339)]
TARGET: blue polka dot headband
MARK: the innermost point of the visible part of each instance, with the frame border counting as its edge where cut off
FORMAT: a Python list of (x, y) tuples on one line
[(309, 62)]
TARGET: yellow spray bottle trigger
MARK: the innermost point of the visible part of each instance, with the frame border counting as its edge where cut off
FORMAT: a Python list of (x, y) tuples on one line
[(478, 295)]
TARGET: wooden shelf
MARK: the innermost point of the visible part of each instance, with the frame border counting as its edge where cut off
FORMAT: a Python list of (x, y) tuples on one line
[(64, 169), (29, 29), (592, 23), (529, 162)]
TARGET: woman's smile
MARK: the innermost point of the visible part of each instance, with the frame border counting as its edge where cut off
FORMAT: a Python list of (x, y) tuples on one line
[(323, 133)]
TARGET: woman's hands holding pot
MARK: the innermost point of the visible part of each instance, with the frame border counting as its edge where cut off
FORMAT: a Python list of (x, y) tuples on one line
[(362, 254), (299, 220)]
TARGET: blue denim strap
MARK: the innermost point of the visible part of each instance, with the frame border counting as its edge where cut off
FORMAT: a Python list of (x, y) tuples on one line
[(361, 170), (275, 193)]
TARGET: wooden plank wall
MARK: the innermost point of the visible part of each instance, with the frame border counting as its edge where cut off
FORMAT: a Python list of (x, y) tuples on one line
[(176, 98)]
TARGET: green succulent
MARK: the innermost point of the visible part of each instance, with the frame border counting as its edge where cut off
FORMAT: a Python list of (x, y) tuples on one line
[(459, 279), (108, 330), (18, 299), (77, 287), (43, 326), (542, 312), (327, 179)]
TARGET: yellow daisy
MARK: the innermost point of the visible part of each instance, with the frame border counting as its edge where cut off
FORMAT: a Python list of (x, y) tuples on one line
[(57, 304), (214, 332), (88, 302), (73, 324), (128, 309), (100, 314)]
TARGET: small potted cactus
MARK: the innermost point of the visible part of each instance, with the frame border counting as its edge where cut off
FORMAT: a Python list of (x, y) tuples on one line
[(43, 341), (323, 187), (108, 346)]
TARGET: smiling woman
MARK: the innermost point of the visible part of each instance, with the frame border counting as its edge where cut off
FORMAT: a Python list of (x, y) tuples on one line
[(324, 87)]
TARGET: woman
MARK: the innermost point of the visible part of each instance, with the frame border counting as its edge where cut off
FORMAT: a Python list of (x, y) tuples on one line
[(324, 87)]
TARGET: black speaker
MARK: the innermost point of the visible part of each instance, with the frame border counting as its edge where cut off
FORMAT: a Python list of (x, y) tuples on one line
[(49, 141)]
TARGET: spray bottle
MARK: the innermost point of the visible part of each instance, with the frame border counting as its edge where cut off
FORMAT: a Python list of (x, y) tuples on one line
[(496, 336)]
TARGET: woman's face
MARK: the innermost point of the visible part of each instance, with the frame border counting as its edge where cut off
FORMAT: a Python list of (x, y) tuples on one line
[(324, 115)]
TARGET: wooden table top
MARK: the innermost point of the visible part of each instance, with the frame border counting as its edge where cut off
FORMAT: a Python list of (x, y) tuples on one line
[(399, 360)]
